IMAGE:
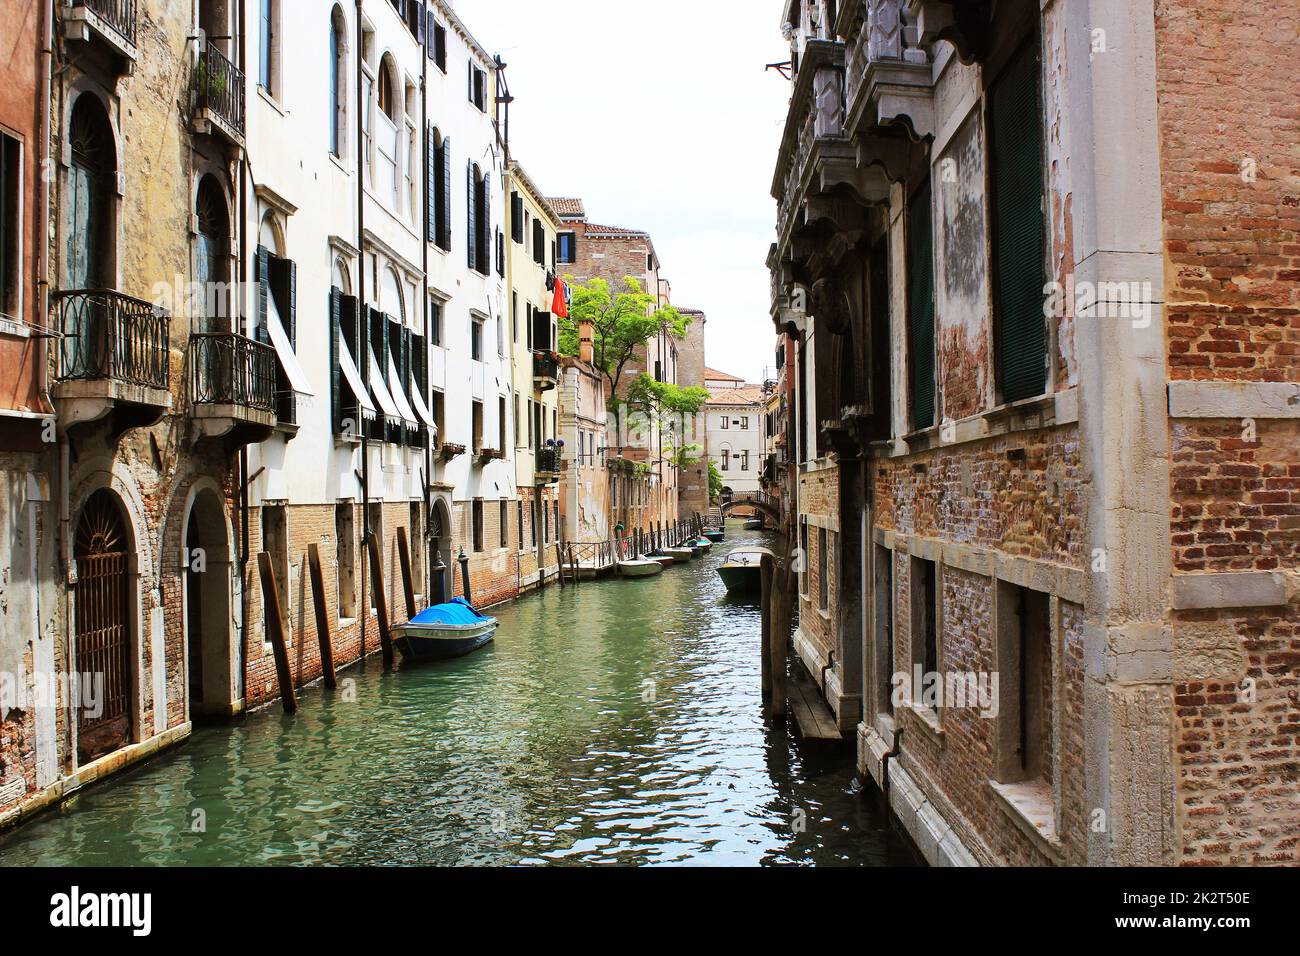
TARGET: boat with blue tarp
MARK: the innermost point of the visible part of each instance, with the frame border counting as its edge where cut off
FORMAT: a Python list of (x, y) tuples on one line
[(444, 630)]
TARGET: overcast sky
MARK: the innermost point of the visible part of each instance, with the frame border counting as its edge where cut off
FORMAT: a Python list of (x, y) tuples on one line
[(659, 115)]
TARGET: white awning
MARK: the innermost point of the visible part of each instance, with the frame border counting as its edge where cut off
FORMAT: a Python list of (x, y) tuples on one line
[(298, 380), (422, 410), (379, 389), (350, 372), (399, 393)]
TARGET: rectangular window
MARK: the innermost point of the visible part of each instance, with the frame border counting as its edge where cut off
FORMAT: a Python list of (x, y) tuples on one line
[(477, 87), (923, 583), (744, 460), (438, 46), (517, 420), (436, 406), (532, 524), (1018, 260), (726, 460), (477, 517), (476, 416), (519, 517), (416, 545), (501, 425), (539, 242), (345, 544), (568, 247), (920, 309), (823, 569), (546, 522), (476, 339), (514, 317), (1024, 662), (435, 322), (884, 642), (275, 542), (744, 422), (726, 421), (505, 524), (11, 228), (376, 519), (266, 38)]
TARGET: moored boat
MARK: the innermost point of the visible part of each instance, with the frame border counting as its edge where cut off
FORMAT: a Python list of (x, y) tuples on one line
[(679, 554), (704, 543), (740, 572), (639, 568), (666, 560), (715, 534), (755, 525), (442, 631)]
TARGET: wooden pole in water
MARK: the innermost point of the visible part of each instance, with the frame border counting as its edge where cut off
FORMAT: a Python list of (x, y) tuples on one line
[(322, 617), (767, 610), (404, 560), (779, 637), (381, 603), (274, 624)]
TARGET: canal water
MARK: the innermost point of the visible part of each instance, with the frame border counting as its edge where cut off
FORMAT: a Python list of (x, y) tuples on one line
[(618, 721)]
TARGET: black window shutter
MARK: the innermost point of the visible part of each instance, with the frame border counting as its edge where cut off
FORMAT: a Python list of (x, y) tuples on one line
[(284, 286), (261, 278), (485, 230), (539, 243), (920, 309), (336, 378), (528, 325), (349, 317), (516, 217), (430, 34), (471, 204), (432, 191), (445, 172), (1018, 267)]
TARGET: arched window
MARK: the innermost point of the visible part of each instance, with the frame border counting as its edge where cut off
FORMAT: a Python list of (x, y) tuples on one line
[(390, 295), (338, 82), (387, 102), (212, 249), (88, 261), (341, 276)]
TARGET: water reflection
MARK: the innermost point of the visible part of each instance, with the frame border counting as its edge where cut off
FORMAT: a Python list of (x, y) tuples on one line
[(618, 721)]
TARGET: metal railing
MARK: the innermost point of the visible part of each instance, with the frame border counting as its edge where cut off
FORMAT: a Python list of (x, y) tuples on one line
[(221, 87), (118, 14), (108, 335), (548, 460), (231, 369), (545, 365)]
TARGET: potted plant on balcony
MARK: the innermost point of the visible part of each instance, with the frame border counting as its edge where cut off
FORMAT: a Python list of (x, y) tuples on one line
[(447, 451)]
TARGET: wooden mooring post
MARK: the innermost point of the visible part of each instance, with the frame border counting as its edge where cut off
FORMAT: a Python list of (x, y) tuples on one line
[(381, 602), (274, 624), (559, 561), (322, 617), (775, 636), (404, 559)]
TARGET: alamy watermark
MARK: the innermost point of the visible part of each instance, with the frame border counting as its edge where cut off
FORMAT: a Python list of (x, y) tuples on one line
[(954, 690), (50, 690)]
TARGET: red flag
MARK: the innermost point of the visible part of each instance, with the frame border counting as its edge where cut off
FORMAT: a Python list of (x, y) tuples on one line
[(561, 304)]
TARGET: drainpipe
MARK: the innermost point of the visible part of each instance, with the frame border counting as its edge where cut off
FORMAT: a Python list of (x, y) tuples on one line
[(364, 610), (43, 201)]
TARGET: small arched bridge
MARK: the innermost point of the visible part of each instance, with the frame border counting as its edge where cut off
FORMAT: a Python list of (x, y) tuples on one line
[(769, 506)]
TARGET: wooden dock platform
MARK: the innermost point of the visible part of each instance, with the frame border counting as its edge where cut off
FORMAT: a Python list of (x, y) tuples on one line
[(814, 717)]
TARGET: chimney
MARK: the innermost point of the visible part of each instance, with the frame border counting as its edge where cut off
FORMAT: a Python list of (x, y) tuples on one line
[(586, 342)]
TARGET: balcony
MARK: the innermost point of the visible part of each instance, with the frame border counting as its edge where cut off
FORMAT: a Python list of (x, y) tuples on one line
[(109, 25), (546, 371), (232, 388), (888, 77), (113, 359), (485, 456), (548, 466), (219, 97)]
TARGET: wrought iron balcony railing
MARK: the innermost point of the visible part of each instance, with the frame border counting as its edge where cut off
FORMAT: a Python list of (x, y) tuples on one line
[(220, 87), (108, 335), (118, 14), (232, 369), (546, 365), (548, 460)]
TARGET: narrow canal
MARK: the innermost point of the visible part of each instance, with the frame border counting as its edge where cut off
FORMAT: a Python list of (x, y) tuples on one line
[(619, 721)]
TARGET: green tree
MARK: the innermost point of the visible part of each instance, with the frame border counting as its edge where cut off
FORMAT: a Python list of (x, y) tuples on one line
[(622, 322), (715, 481), (670, 405)]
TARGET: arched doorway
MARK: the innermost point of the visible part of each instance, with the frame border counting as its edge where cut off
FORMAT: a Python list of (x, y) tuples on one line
[(207, 607), (104, 627), (440, 544)]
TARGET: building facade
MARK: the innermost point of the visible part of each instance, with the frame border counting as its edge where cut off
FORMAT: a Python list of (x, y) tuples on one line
[(531, 226), (1042, 425), (734, 422), (587, 482)]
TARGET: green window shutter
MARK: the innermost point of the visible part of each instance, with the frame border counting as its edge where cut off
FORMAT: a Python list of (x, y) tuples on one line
[(261, 275), (1018, 270), (444, 171), (920, 309)]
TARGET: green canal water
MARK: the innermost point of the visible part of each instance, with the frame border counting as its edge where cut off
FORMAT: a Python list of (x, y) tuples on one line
[(616, 722)]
